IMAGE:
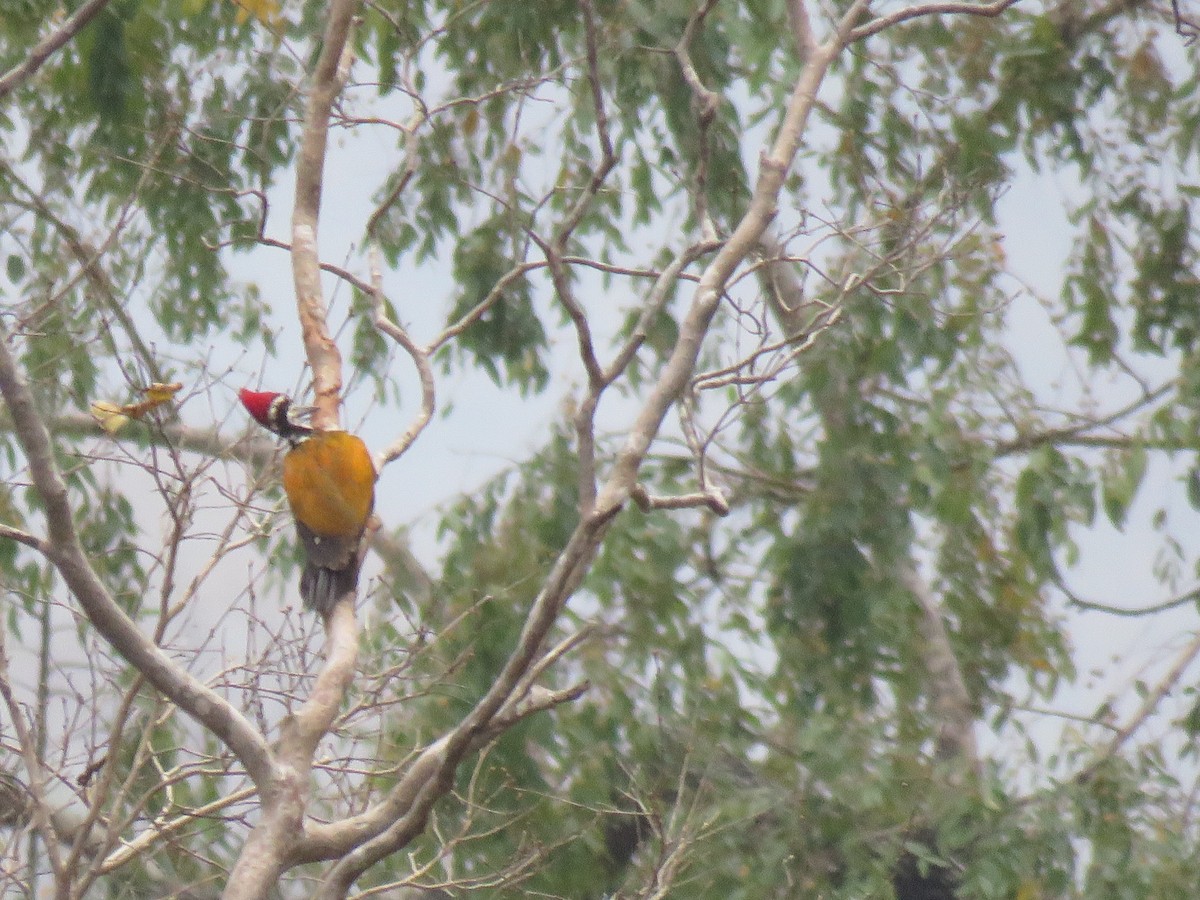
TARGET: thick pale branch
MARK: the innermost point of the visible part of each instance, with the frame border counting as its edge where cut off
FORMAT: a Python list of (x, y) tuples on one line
[(327, 82), (268, 850), (365, 839)]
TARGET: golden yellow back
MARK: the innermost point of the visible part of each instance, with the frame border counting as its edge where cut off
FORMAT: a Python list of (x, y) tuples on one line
[(330, 483)]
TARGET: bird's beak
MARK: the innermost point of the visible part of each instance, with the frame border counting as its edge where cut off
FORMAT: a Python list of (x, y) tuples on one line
[(301, 412)]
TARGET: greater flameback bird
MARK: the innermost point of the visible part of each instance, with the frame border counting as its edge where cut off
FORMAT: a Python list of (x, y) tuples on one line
[(329, 479)]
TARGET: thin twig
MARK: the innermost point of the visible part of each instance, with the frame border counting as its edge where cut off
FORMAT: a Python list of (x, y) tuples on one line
[(1149, 705), (34, 766)]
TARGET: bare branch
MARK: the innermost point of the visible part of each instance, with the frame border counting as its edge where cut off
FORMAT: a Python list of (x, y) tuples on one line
[(528, 682), (1031, 440), (876, 25), (68, 556), (403, 814), (538, 700), (746, 236), (340, 271), (363, 840), (88, 257), (330, 75), (1131, 612), (1149, 705), (554, 251), (34, 766), (49, 45), (660, 293), (1185, 26), (712, 498), (419, 356), (301, 733), (408, 170), (782, 286), (266, 852), (164, 830), (828, 316), (23, 537), (477, 312)]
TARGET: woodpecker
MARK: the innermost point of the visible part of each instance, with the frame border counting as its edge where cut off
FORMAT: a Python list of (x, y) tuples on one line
[(329, 479)]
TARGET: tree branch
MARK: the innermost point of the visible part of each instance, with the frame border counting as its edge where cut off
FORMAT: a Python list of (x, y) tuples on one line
[(367, 838), (1149, 705), (66, 553), (330, 75), (949, 698), (705, 103), (49, 45), (419, 356), (363, 840), (876, 25), (35, 768), (269, 847), (746, 236), (23, 537)]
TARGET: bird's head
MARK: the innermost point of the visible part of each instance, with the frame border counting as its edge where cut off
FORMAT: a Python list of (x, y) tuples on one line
[(274, 411)]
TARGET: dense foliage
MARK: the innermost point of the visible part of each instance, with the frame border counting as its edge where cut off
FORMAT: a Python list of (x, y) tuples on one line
[(917, 447)]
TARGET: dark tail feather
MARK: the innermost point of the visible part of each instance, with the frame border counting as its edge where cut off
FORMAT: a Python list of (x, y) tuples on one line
[(322, 588)]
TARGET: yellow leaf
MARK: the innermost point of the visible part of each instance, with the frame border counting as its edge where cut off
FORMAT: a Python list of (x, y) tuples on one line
[(160, 393), (266, 11), (470, 123), (156, 395), (109, 416)]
